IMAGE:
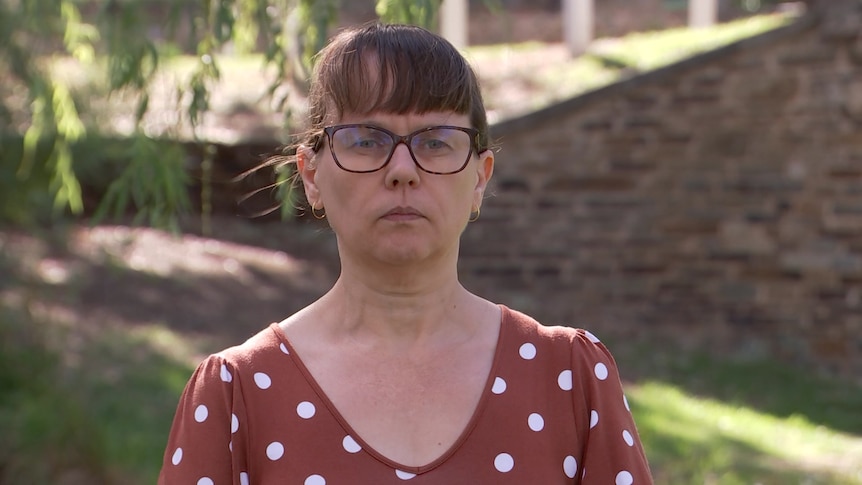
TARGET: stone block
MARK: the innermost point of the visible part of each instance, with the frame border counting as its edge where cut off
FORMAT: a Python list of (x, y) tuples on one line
[(746, 238), (608, 183), (817, 54)]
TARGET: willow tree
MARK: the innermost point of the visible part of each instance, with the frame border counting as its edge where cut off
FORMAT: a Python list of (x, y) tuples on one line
[(42, 129)]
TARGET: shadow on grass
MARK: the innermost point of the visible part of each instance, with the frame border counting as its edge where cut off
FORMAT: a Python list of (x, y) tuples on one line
[(131, 315), (97, 342)]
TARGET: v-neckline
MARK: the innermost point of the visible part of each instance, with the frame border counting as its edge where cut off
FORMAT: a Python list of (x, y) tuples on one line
[(345, 425)]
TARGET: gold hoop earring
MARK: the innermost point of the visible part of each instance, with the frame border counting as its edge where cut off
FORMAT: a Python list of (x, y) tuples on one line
[(474, 218), (314, 213)]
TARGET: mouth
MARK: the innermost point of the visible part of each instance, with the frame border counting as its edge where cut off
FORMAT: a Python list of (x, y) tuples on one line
[(403, 214)]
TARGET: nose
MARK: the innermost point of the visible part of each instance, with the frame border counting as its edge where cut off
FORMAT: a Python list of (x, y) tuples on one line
[(401, 170)]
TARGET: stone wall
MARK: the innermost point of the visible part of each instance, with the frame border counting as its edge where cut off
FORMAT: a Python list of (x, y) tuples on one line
[(717, 201)]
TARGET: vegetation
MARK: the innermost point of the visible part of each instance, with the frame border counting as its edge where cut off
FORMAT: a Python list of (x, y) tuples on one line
[(113, 46), (89, 400), (75, 83), (92, 397)]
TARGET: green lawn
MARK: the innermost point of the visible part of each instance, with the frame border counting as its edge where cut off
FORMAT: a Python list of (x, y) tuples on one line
[(97, 397)]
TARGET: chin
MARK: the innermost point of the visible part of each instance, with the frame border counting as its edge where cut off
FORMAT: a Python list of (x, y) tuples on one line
[(402, 254)]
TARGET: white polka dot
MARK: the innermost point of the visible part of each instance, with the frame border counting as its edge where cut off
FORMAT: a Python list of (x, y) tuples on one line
[(570, 466), (499, 386), (626, 402), (350, 445), (243, 478), (206, 481), (315, 480), (230, 446), (592, 337), (628, 438), (177, 456), (305, 410), (225, 374), (601, 371), (527, 351), (624, 478), (283, 348), (234, 423), (536, 422), (594, 418), (404, 475), (262, 380), (565, 380), (275, 450), (201, 413), (504, 462)]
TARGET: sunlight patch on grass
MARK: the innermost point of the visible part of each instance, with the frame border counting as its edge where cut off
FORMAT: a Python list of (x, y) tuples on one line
[(519, 78), (696, 440), (650, 50)]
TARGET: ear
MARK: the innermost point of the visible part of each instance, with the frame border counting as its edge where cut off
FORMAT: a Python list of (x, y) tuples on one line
[(484, 170), (307, 169)]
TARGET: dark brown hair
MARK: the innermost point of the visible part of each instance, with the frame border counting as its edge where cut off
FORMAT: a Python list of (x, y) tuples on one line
[(417, 71), (388, 68)]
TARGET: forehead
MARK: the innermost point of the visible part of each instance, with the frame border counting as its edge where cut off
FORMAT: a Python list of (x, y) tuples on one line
[(370, 82)]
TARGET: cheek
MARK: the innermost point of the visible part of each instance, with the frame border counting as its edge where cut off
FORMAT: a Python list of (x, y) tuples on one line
[(336, 192)]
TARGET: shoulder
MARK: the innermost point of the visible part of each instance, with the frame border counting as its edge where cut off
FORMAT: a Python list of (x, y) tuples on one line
[(581, 348), (256, 352), (528, 327)]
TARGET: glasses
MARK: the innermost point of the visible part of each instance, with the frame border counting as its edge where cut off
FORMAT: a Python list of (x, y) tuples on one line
[(440, 150)]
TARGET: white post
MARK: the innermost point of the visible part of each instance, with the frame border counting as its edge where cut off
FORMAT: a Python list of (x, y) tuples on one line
[(453, 22), (702, 13), (578, 24)]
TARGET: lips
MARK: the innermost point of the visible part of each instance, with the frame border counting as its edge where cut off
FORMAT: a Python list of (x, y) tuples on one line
[(401, 212)]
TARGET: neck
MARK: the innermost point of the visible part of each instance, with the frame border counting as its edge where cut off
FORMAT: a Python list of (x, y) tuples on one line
[(397, 307), (388, 311)]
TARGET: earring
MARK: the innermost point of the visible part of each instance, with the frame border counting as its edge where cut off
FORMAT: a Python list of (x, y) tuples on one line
[(474, 218), (314, 213)]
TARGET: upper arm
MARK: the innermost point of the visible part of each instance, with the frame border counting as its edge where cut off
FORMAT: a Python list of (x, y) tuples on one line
[(205, 440), (612, 449)]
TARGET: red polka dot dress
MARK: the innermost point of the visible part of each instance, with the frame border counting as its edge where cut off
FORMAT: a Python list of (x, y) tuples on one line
[(552, 412)]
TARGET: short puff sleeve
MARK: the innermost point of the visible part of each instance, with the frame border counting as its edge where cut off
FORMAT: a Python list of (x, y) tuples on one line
[(612, 451), (207, 436)]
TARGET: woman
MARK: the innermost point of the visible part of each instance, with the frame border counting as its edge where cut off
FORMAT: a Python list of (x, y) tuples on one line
[(399, 373)]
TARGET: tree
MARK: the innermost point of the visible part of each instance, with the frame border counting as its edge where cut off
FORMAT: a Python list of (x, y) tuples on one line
[(41, 123)]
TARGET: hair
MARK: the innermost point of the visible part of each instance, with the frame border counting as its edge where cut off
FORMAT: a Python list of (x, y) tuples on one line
[(389, 68), (415, 71)]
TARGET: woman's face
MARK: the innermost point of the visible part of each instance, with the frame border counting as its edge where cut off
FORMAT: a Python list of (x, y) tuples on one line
[(399, 213)]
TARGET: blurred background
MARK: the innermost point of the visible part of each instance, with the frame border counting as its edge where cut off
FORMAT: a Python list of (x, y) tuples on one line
[(681, 177)]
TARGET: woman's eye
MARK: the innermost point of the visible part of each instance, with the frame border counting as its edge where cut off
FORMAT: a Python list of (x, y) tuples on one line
[(367, 143)]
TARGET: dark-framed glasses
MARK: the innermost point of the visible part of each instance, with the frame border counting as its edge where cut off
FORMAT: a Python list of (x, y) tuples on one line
[(438, 150)]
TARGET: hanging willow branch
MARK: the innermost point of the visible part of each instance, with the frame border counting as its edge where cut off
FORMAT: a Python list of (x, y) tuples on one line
[(37, 106)]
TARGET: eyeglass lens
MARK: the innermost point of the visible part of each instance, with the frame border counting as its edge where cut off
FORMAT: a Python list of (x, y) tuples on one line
[(366, 148)]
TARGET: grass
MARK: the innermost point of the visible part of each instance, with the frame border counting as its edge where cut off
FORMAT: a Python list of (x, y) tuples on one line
[(544, 76), (96, 401), (696, 440), (96, 398)]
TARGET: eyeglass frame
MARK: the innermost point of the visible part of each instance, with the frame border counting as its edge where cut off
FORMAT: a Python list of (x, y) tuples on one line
[(399, 139)]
